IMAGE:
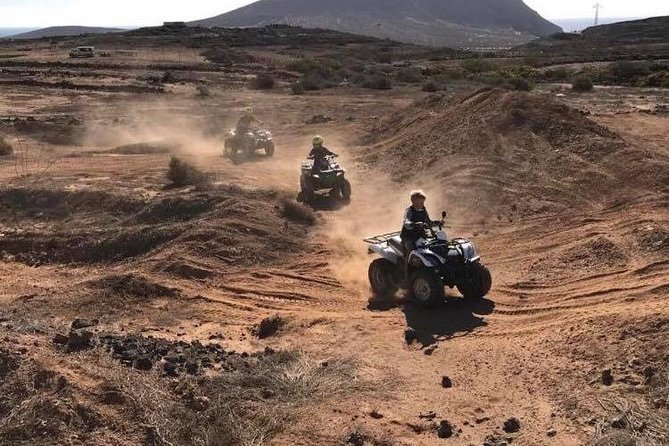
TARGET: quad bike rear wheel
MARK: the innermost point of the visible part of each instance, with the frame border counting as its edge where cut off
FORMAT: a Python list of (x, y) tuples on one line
[(477, 282), (382, 278), (426, 287)]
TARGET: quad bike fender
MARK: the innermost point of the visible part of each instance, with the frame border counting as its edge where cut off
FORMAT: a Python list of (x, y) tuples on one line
[(426, 257), (387, 253)]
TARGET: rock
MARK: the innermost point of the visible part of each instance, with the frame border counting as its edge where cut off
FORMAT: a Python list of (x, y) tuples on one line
[(445, 429), (79, 340), (430, 415), (491, 440), (551, 432), (375, 414), (511, 425), (319, 119), (267, 394), (619, 421), (446, 382), (429, 350), (170, 369), (607, 377), (268, 327), (648, 372), (60, 339), (480, 420), (355, 439), (200, 403), (410, 335), (192, 367), (78, 323), (143, 363)]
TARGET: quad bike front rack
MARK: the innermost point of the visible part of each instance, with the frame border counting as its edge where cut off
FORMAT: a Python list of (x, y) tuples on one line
[(383, 238)]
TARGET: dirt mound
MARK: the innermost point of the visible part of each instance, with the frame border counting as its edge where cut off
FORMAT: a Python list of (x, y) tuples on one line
[(228, 224), (132, 285), (144, 148), (497, 149)]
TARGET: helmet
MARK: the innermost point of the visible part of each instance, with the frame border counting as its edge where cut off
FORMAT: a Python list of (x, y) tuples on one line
[(248, 110), (418, 193), (318, 140)]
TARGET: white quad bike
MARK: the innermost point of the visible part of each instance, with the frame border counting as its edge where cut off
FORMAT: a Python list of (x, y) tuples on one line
[(436, 262)]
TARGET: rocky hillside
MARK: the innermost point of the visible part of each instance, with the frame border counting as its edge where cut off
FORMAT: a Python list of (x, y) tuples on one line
[(462, 23), (57, 31)]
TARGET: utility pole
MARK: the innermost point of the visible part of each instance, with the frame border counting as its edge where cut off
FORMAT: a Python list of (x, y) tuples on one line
[(597, 7)]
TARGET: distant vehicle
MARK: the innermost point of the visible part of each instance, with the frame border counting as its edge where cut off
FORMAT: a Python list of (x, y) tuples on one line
[(242, 149), (330, 176), (83, 52)]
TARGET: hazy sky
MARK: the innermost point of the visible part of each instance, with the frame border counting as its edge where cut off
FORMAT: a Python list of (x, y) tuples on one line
[(39, 13)]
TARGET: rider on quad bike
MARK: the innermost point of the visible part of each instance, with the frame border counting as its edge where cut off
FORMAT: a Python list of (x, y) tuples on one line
[(416, 220), (245, 124), (319, 153)]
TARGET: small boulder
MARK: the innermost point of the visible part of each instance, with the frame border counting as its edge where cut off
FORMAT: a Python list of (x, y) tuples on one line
[(79, 340), (268, 327), (445, 429), (430, 415), (607, 377), (551, 432), (619, 421), (79, 323), (446, 382), (355, 439), (512, 425), (144, 363), (431, 349)]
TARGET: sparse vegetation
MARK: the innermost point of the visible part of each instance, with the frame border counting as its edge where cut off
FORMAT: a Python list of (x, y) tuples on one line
[(263, 81), (477, 66), (298, 212), (203, 91), (297, 88), (520, 83), (377, 82), (582, 84), (181, 173), (430, 87), (5, 147), (410, 75)]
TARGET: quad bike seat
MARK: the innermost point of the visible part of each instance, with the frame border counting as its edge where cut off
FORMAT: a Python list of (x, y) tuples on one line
[(396, 242)]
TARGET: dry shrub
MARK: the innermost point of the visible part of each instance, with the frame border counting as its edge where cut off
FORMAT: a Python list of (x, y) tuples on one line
[(5, 147), (180, 173), (263, 81), (244, 406), (582, 84), (297, 212)]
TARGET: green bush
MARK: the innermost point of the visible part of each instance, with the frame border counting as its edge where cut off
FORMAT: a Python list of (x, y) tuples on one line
[(477, 66), (181, 173), (263, 81), (430, 87), (627, 71), (558, 74), (5, 148), (520, 84), (582, 83), (378, 82), (297, 88), (410, 75)]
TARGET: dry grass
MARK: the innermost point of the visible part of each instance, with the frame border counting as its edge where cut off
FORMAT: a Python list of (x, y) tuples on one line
[(180, 174), (298, 212)]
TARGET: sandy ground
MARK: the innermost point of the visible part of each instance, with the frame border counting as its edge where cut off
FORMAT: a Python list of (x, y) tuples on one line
[(533, 349)]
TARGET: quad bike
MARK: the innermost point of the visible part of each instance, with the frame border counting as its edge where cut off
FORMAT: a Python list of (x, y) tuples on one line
[(331, 176), (255, 140), (436, 262)]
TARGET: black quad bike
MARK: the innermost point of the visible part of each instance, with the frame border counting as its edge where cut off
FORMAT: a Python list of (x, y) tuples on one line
[(330, 176), (436, 262), (241, 149)]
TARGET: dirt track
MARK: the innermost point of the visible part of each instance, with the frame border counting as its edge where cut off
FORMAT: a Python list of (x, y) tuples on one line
[(575, 290)]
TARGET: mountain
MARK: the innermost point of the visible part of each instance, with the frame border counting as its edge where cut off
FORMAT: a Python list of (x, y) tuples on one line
[(462, 23), (57, 31)]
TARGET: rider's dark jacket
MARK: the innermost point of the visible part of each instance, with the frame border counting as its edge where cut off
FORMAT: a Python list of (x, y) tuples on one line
[(244, 123), (318, 153), (409, 230)]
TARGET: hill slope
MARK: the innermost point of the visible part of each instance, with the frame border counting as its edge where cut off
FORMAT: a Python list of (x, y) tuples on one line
[(632, 37), (57, 31), (429, 22)]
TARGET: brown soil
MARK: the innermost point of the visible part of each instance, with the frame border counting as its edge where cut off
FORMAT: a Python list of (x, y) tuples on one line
[(566, 199)]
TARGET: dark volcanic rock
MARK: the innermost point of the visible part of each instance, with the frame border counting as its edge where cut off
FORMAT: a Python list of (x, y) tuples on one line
[(512, 425), (607, 377), (446, 382), (445, 429)]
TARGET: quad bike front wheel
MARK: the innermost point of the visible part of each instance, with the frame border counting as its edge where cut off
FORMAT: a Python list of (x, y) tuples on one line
[(476, 283), (308, 192), (382, 277), (426, 287), (345, 189), (269, 149)]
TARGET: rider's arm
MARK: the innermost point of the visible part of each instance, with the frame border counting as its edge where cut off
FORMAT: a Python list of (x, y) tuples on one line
[(408, 223)]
